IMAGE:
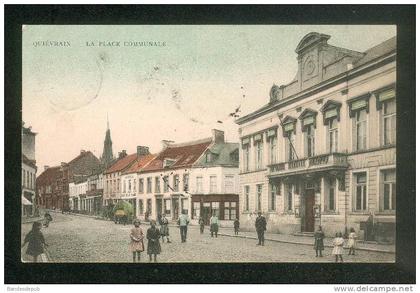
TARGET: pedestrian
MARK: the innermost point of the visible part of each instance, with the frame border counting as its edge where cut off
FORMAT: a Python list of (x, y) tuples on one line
[(164, 229), (35, 240), (370, 226), (136, 236), (47, 219), (236, 226), (214, 225), (319, 241), (183, 222), (352, 242), (153, 244), (338, 243), (201, 223), (260, 226)]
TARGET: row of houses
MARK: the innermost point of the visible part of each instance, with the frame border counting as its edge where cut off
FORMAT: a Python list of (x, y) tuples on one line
[(28, 169), (322, 151)]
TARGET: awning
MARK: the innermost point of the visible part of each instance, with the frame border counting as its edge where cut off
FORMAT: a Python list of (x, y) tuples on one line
[(25, 201)]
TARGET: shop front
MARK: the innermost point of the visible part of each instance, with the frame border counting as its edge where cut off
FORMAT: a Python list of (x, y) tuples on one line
[(225, 206)]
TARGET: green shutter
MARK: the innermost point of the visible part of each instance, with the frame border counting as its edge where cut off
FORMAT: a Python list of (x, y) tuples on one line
[(271, 132), (356, 105), (308, 120), (386, 95), (331, 113), (289, 127)]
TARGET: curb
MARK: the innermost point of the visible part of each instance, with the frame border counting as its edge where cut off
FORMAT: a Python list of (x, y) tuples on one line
[(306, 243)]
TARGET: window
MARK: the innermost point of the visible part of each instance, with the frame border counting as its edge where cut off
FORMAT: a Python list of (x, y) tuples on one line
[(290, 150), (361, 196), (149, 184), (213, 184), (141, 207), (141, 185), (330, 195), (259, 197), (360, 127), (258, 154), (124, 187), (185, 180), (230, 210), (157, 184), (129, 185), (24, 177), (272, 199), (196, 210), (389, 122), (289, 198), (215, 210), (27, 178), (165, 183), (118, 185), (199, 184), (333, 135), (246, 204), (273, 149), (310, 140), (229, 184), (388, 190), (246, 157), (134, 185), (176, 182)]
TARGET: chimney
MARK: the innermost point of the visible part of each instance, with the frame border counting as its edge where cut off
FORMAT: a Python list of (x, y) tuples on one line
[(82, 152), (218, 136), (63, 164), (46, 167), (122, 154), (142, 150), (166, 143)]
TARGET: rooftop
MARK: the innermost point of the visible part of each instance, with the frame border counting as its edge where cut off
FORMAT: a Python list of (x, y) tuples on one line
[(122, 164), (140, 163)]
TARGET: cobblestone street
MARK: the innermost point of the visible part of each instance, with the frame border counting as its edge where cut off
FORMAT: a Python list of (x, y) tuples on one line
[(83, 239)]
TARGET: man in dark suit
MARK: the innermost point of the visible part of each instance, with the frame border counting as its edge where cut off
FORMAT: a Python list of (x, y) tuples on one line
[(260, 226)]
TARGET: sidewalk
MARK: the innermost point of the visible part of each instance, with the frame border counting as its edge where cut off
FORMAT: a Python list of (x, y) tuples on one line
[(302, 240)]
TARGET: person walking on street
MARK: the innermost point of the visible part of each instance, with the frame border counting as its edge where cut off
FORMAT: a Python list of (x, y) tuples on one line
[(236, 226), (338, 243), (153, 244), (260, 226), (136, 236), (35, 240), (164, 229), (201, 223), (47, 219), (183, 222), (352, 242), (319, 242), (214, 225)]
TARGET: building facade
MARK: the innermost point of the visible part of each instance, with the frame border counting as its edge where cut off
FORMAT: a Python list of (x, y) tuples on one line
[(199, 178), (28, 169), (323, 150)]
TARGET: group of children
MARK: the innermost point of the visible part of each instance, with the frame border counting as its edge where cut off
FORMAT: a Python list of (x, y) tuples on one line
[(338, 244)]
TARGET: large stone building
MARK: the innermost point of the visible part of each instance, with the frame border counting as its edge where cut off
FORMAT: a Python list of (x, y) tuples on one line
[(197, 177), (322, 151), (53, 185), (29, 168)]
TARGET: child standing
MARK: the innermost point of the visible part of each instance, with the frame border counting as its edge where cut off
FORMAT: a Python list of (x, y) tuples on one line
[(136, 236), (153, 244), (201, 223), (338, 246), (352, 242), (35, 240), (236, 226)]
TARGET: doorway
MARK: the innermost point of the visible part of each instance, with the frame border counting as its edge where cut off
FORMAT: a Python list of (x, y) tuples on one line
[(175, 205), (159, 206), (309, 218), (206, 213)]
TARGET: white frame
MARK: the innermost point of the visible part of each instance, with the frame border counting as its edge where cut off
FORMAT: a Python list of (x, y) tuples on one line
[(353, 191), (378, 187)]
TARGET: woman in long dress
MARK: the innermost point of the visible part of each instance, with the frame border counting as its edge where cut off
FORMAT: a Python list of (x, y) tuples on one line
[(36, 241), (153, 244), (136, 236), (338, 246)]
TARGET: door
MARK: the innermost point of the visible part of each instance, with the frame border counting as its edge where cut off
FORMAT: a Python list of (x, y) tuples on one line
[(159, 205), (206, 214), (309, 210), (175, 205)]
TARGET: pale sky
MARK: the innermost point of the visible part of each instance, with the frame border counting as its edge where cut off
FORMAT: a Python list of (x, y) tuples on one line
[(175, 92)]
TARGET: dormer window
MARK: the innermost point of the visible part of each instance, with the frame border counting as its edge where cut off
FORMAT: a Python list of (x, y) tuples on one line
[(209, 157), (168, 162)]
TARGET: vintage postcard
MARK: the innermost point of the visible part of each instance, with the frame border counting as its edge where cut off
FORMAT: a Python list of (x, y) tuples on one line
[(209, 143)]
